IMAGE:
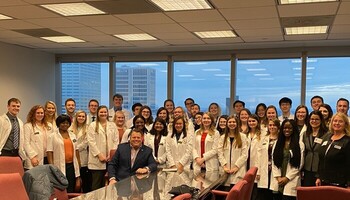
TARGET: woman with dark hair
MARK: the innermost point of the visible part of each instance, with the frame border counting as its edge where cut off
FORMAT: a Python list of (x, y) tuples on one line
[(327, 113), (169, 105), (301, 117), (163, 114), (146, 112), (266, 145), (62, 152), (138, 123), (222, 124), (102, 137), (287, 162), (197, 120), (156, 140), (215, 110), (233, 152), (179, 146), (260, 111), (311, 138)]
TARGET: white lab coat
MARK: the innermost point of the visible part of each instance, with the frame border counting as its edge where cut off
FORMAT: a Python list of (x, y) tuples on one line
[(253, 144), (35, 142), (149, 141), (5, 130), (293, 174), (237, 156), (179, 151), (263, 162), (211, 152), (101, 142), (55, 144), (82, 146)]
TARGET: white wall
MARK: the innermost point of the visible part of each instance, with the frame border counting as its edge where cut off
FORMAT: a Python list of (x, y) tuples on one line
[(26, 74)]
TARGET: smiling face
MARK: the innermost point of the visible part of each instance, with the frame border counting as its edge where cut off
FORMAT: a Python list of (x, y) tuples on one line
[(324, 112), (206, 121), (252, 123), (261, 112), (70, 107), (163, 115), (119, 118), (271, 114), (232, 124), (136, 139), (222, 123), (14, 108), (169, 106), (243, 116), (158, 126), (179, 125), (178, 112), (338, 124), (315, 103), (287, 129), (315, 121), (103, 114), (81, 118), (50, 109), (213, 109), (301, 114), (273, 129), (146, 113), (139, 124), (39, 114)]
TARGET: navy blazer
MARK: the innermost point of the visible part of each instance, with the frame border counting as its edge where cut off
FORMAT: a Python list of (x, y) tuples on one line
[(120, 165)]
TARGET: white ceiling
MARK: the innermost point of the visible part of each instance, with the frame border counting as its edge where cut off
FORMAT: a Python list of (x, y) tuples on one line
[(256, 22)]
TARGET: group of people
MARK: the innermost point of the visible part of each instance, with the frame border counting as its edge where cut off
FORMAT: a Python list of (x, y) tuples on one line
[(307, 148)]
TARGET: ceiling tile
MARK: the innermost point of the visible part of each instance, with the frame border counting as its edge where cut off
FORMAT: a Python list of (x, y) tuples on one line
[(207, 26), (149, 18), (17, 24), (339, 36), (118, 29), (81, 44), (27, 12), (12, 3), (54, 22), (184, 41), (342, 19), (174, 36), (98, 20), (261, 32), (340, 29), (222, 40), (344, 8), (161, 28), (242, 4), (306, 37), (12, 34), (196, 16), (99, 38), (78, 31), (156, 43), (250, 13), (51, 1), (263, 39), (312, 9), (255, 23)]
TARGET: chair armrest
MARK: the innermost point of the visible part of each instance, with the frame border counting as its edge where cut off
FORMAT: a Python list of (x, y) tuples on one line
[(73, 195), (219, 193)]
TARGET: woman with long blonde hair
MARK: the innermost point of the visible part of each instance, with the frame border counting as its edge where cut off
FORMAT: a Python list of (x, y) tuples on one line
[(51, 115), (233, 151)]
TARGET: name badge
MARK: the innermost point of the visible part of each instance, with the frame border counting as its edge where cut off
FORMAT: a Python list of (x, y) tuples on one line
[(318, 140), (324, 143), (337, 147)]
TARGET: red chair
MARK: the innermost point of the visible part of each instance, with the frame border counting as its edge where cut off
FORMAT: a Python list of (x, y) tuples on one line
[(12, 187), (186, 196), (323, 193), (237, 192), (11, 165), (250, 178)]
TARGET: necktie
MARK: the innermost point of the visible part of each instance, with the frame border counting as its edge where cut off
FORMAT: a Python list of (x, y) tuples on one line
[(15, 133), (93, 118)]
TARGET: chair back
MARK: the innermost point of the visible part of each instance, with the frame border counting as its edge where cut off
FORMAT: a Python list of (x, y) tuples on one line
[(250, 178), (12, 187), (11, 165), (323, 193), (186, 196), (237, 191)]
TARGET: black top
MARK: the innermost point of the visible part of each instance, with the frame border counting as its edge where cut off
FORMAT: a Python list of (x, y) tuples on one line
[(334, 163)]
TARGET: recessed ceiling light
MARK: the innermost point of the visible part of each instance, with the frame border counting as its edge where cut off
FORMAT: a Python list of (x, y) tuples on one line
[(4, 17), (135, 37), (62, 39), (73, 9), (306, 30), (302, 1), (215, 34), (173, 5)]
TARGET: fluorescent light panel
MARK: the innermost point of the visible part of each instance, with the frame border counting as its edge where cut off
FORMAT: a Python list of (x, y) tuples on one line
[(302, 1), (173, 5), (135, 37), (215, 34), (306, 30), (73, 9), (63, 39), (4, 17)]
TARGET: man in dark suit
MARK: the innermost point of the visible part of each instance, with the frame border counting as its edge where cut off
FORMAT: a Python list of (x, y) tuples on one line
[(131, 158)]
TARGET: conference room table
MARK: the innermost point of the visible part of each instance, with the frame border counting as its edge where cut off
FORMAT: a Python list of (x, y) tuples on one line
[(156, 185)]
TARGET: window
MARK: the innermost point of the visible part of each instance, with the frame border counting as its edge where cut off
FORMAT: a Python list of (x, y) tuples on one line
[(267, 81), (205, 82), (84, 81), (329, 78), (143, 82)]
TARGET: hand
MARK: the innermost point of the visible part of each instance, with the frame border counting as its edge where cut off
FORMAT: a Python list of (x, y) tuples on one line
[(200, 161), (77, 184), (180, 168), (226, 169), (34, 161), (257, 177), (111, 182), (141, 171), (318, 182), (234, 170), (102, 158), (282, 181)]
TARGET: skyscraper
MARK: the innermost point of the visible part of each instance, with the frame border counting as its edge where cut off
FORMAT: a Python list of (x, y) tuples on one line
[(137, 85), (82, 82)]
